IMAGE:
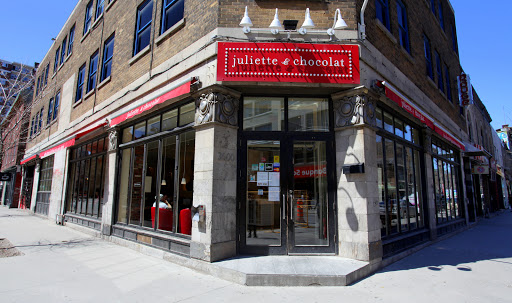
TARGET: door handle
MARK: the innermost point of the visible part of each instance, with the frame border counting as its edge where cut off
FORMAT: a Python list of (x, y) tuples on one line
[(290, 195), (284, 207)]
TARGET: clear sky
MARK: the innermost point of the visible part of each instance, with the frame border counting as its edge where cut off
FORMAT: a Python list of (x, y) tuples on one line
[(484, 36)]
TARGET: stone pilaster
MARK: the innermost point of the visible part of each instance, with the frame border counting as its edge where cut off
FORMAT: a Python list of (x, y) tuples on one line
[(109, 182), (357, 193), (37, 172), (215, 175), (430, 193)]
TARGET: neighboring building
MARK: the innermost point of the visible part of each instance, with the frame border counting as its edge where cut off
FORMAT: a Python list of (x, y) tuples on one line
[(505, 135), (345, 142), (14, 77), (13, 134)]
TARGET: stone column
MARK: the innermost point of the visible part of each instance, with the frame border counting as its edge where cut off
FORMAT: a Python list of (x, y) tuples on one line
[(109, 183), (215, 175), (37, 172), (58, 197), (430, 191), (357, 193)]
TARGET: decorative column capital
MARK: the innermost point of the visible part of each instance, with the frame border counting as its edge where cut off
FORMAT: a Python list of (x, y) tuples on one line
[(354, 110), (217, 107), (113, 135)]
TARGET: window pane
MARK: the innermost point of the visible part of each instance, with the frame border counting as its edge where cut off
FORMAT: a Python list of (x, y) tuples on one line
[(388, 122), (379, 117), (419, 191), (187, 113), (408, 133), (399, 128), (391, 184), (124, 185), (186, 178), (150, 181), (153, 126), (263, 113), (167, 192), (136, 196), (127, 134), (140, 130), (381, 186), (402, 207), (170, 120), (172, 13), (311, 114)]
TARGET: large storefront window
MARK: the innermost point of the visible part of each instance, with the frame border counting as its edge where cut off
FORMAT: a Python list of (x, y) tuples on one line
[(157, 174), (446, 183), (86, 175), (399, 175), (44, 189)]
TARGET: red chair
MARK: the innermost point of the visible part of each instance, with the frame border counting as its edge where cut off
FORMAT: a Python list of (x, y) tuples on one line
[(185, 221), (164, 218)]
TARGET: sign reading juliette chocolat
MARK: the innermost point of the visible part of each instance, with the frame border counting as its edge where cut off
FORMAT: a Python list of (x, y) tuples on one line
[(288, 62)]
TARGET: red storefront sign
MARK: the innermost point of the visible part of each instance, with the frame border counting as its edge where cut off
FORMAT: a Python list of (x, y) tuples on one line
[(178, 91), (408, 107), (288, 62), (57, 148), (394, 95), (28, 159), (310, 171)]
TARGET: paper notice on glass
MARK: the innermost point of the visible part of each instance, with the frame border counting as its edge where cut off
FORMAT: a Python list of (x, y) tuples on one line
[(262, 178), (273, 193), (273, 179)]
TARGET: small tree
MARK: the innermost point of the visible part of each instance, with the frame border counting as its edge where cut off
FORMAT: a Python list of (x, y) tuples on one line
[(16, 91)]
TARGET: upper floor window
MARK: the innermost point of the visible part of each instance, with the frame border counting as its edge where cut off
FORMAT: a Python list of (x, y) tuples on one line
[(454, 39), (93, 68), (172, 12), (56, 106), (99, 8), (63, 53), (382, 9), (108, 52), (143, 30), (440, 15), (439, 71), (37, 85), (403, 31), (50, 112), (88, 17), (32, 127), (433, 7), (448, 83), (71, 40), (80, 83), (428, 57), (56, 64), (46, 74), (41, 119)]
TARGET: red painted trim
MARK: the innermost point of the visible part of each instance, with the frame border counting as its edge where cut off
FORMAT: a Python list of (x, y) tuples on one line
[(55, 149), (79, 135), (180, 90), (28, 159)]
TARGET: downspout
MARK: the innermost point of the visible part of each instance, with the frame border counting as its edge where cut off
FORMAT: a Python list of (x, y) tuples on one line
[(362, 26)]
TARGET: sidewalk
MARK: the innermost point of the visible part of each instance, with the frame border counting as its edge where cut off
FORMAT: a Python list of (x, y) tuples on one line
[(60, 264)]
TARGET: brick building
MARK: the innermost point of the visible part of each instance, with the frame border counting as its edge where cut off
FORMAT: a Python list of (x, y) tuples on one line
[(170, 126)]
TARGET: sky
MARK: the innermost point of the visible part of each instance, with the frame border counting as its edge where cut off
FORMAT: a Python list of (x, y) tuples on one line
[(484, 36)]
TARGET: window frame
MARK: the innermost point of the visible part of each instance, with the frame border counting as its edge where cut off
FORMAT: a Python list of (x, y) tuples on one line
[(50, 112), (93, 71), (71, 40), (448, 83), (403, 29), (56, 106), (428, 57), (88, 17), (80, 83), (382, 12), (166, 7), (99, 4), (439, 71), (63, 53), (107, 61), (139, 29), (56, 63)]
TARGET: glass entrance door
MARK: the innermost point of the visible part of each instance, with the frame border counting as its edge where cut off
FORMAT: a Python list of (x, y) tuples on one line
[(288, 205)]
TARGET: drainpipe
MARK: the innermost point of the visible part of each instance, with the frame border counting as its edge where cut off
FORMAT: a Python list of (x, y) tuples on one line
[(362, 26)]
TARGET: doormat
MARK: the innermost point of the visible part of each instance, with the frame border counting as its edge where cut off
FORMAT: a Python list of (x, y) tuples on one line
[(8, 250)]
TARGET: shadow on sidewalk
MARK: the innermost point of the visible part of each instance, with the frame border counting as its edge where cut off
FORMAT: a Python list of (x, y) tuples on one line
[(489, 240)]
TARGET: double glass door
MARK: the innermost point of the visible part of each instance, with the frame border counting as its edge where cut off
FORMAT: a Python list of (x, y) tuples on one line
[(288, 205)]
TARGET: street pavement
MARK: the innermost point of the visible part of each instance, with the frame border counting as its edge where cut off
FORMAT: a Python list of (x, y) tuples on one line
[(59, 264)]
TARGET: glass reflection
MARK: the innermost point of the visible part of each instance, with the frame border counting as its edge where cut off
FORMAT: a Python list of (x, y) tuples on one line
[(308, 114)]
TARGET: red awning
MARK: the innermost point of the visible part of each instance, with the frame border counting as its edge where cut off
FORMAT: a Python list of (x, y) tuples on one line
[(55, 149), (85, 132), (177, 91), (28, 159)]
